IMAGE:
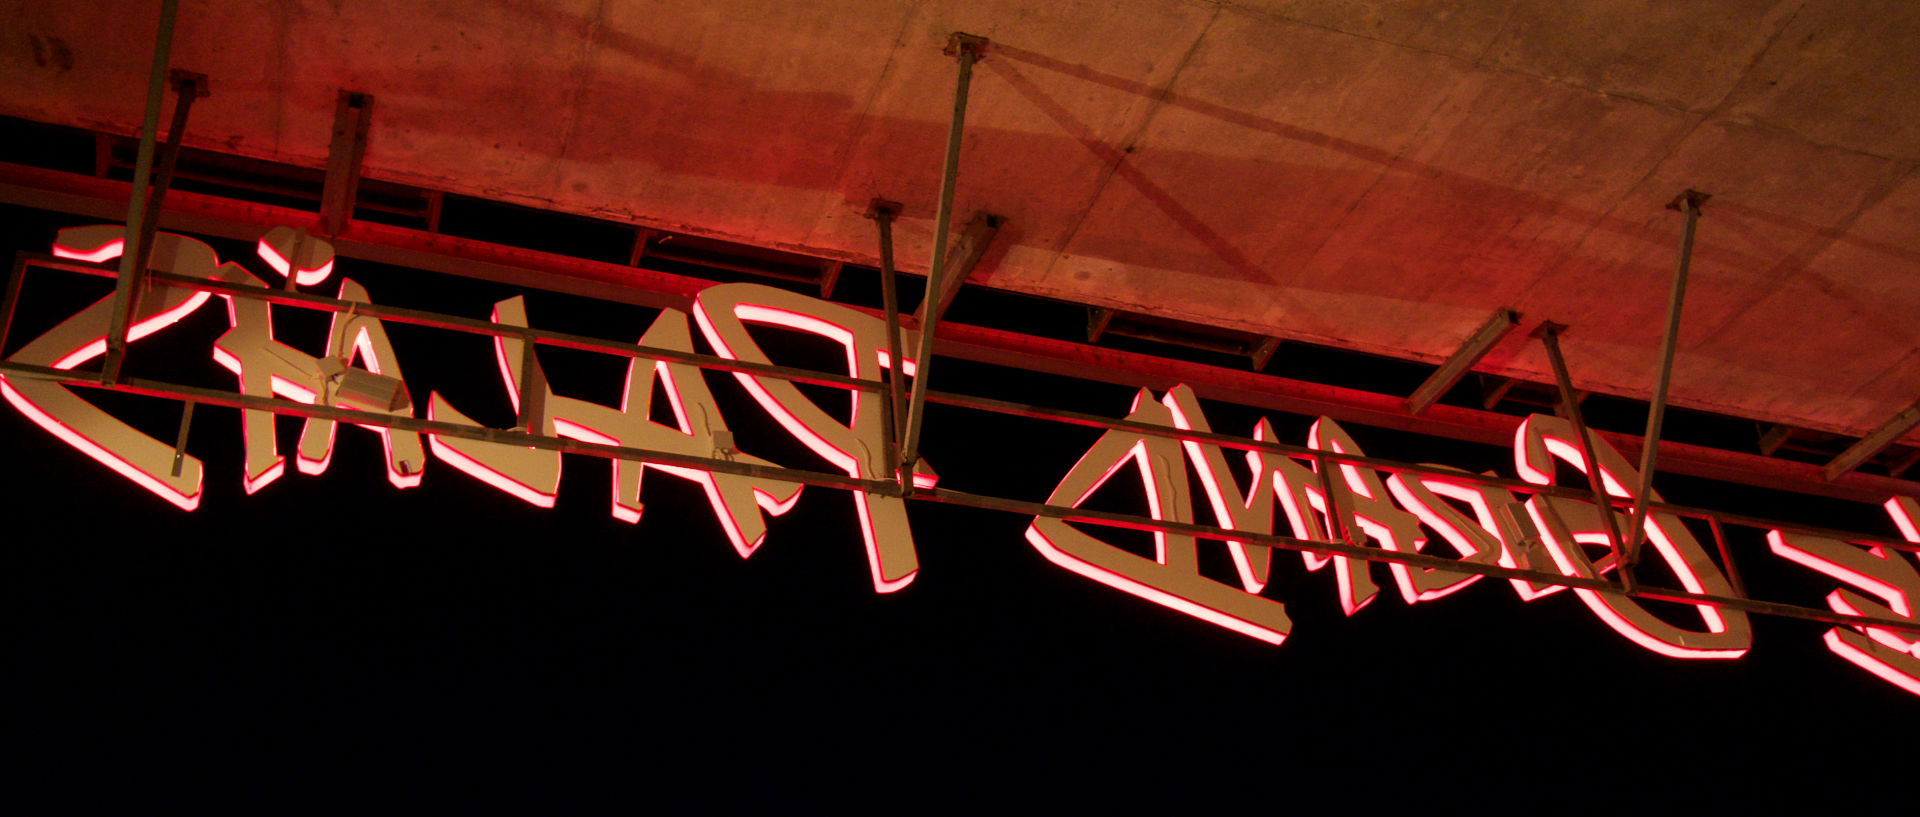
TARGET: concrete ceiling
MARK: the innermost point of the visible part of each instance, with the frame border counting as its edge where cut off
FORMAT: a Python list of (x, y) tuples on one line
[(1378, 175)]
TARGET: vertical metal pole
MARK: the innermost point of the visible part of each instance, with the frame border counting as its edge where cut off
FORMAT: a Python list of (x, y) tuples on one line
[(967, 48), (1689, 204), (1549, 335), (891, 410), (124, 293)]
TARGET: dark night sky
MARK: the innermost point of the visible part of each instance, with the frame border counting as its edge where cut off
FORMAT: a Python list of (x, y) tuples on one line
[(336, 639)]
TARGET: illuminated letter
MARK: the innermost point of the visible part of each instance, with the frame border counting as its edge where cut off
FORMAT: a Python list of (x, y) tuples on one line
[(737, 500), (1363, 499), (267, 367), (136, 456), (1889, 654), (1538, 441), (1475, 540), (858, 448), (1173, 579), (1478, 540), (367, 338)]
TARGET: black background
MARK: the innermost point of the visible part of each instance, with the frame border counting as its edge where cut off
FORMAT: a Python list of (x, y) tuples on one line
[(335, 640)]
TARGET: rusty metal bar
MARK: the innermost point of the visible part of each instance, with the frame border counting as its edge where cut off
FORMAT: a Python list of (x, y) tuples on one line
[(841, 481), (12, 298), (1726, 557), (461, 324), (965, 255), (471, 325), (1549, 335), (180, 440), (125, 290), (1456, 366), (1874, 442), (352, 117), (1688, 203), (883, 213), (966, 48), (1410, 558)]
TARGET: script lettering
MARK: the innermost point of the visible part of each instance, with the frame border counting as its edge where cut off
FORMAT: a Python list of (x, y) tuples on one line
[(858, 447), (1541, 439), (1173, 578)]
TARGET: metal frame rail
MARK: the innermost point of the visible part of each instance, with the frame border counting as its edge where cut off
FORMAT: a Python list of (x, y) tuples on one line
[(1323, 460)]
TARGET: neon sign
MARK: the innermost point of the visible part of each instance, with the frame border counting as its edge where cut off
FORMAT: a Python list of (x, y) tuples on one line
[(1340, 510)]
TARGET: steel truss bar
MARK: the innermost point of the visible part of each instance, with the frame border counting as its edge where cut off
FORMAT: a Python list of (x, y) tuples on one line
[(417, 249), (1688, 203), (1874, 442), (508, 436), (564, 445), (138, 226), (883, 213), (965, 255), (708, 362), (1397, 467), (457, 323), (966, 48), (352, 118), (1410, 558), (1476, 346), (1549, 335)]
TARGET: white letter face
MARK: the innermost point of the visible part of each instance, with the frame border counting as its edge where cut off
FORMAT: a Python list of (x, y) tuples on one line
[(1537, 443), (1173, 579), (858, 448), (144, 460)]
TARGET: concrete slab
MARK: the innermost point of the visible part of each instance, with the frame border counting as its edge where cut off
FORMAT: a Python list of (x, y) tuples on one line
[(1374, 174)]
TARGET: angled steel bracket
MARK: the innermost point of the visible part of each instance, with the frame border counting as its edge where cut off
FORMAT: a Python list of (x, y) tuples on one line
[(1875, 442), (965, 255), (1476, 346), (1549, 335), (352, 118), (892, 410)]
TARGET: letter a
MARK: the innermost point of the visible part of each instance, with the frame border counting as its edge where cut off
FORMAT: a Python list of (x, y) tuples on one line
[(1173, 579)]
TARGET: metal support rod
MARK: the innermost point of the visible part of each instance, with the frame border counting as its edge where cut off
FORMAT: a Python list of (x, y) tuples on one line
[(187, 87), (533, 388), (1336, 521), (1475, 347), (137, 215), (967, 48), (1875, 442), (1687, 203), (842, 481), (12, 298), (1549, 335), (180, 441), (891, 410), (295, 252), (1726, 556)]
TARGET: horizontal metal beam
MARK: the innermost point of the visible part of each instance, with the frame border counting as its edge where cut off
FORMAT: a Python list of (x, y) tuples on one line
[(400, 246), (519, 437), (1476, 346)]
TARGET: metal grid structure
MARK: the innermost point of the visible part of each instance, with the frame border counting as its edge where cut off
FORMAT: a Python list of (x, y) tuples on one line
[(1323, 461)]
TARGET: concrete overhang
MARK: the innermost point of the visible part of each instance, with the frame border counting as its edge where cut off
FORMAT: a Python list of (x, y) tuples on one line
[(1373, 175)]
